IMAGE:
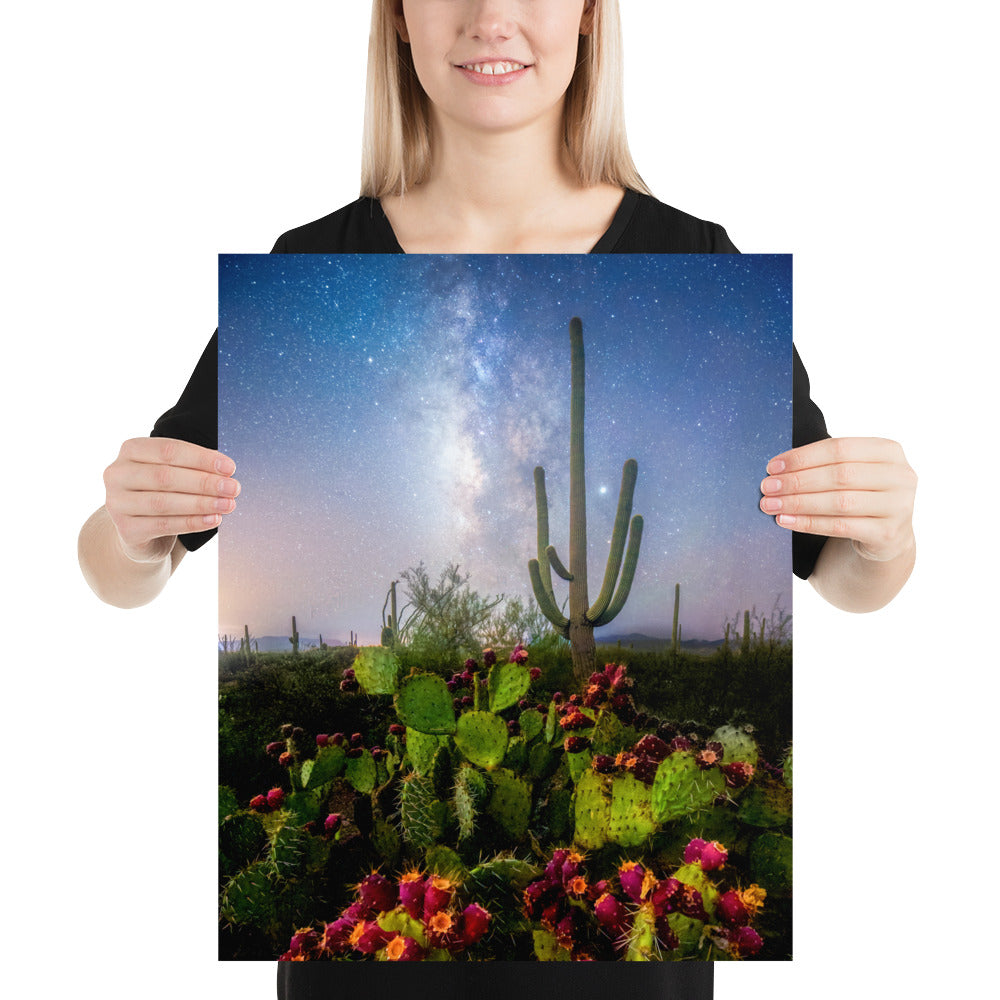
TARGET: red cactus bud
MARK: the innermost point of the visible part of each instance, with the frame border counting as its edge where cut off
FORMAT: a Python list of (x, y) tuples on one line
[(467, 700), (668, 939), (738, 773), (378, 753), (322, 739), (665, 896), (747, 941), (377, 893), (470, 664), (411, 893), (337, 739), (258, 803), (349, 684), (680, 743), (286, 759), (713, 856), (403, 949), (286, 729), (397, 730), (438, 891), (557, 697), (453, 685), (652, 746), (465, 678), (691, 904), (367, 936), (276, 747), (693, 850), (553, 870), (731, 910), (475, 921), (645, 769), (716, 747), (603, 763), (489, 657), (575, 720), (335, 936), (349, 673), (303, 941), (332, 823), (598, 889), (456, 703), (275, 797), (575, 744), (524, 704), (513, 727), (631, 875), (357, 739), (534, 673)]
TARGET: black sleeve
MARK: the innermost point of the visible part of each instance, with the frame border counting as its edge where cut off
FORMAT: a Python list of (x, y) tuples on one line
[(808, 425), (195, 418)]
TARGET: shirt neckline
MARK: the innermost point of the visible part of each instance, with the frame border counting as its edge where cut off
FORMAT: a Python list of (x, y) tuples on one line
[(605, 244)]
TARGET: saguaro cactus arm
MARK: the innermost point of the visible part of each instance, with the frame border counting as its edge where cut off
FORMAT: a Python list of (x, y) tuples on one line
[(556, 563), (628, 573), (546, 602), (629, 472)]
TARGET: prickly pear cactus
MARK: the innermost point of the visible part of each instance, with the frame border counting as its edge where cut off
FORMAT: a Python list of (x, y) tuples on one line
[(510, 804), (592, 811), (377, 670), (423, 702), (681, 787), (420, 814), (328, 764), (766, 803), (736, 745), (482, 738), (421, 748), (630, 822), (507, 683)]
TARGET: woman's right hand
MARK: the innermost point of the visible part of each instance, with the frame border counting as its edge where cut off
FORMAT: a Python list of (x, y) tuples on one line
[(159, 488)]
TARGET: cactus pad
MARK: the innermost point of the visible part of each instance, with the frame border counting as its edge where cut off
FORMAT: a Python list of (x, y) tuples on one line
[(248, 897), (507, 683), (421, 747), (301, 808), (442, 860), (228, 803), (547, 948), (591, 811), (361, 772), (482, 738), (510, 804), (681, 787), (419, 816), (423, 702), (241, 839), (736, 745), (377, 670), (630, 821), (609, 734), (578, 763), (766, 804), (642, 943), (327, 765), (532, 722), (771, 862)]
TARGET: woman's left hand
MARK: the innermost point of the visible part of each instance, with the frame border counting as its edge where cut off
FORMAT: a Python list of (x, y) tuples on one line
[(856, 488)]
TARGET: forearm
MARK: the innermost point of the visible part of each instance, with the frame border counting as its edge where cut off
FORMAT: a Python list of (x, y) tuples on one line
[(111, 574), (852, 583)]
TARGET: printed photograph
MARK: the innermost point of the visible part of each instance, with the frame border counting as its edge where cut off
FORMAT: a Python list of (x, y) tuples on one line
[(505, 640)]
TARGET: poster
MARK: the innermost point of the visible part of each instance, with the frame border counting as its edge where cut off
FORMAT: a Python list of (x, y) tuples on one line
[(505, 640)]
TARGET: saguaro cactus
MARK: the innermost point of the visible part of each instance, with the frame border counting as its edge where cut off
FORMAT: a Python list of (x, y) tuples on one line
[(390, 628), (294, 638), (675, 636), (583, 617)]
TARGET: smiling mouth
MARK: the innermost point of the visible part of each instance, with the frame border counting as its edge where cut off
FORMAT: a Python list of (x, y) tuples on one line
[(492, 68)]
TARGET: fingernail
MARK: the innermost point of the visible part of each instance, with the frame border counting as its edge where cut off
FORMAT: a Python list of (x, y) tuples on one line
[(771, 504), (770, 485), (786, 519), (228, 487), (210, 519), (225, 466), (775, 466)]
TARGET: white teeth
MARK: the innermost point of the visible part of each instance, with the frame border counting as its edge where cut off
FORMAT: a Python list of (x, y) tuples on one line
[(494, 69)]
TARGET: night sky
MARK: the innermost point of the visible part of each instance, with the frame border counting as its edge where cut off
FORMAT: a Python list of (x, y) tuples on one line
[(387, 409)]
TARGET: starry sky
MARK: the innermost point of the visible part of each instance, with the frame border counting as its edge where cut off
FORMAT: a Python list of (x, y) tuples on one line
[(388, 409)]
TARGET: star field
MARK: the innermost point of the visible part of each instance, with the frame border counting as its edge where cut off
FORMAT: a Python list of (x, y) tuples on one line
[(387, 409)]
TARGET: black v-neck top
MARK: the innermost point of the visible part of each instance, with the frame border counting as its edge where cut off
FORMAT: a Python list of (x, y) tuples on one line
[(640, 225)]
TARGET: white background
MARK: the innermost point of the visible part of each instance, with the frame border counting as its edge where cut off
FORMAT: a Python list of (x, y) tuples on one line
[(142, 140)]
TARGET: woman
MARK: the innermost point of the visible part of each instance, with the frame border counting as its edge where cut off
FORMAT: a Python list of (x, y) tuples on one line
[(496, 127)]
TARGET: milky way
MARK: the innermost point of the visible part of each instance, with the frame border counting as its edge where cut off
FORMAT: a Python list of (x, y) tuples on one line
[(388, 409)]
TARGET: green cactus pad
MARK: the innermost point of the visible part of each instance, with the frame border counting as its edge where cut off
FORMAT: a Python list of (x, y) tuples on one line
[(547, 948), (290, 851), (517, 754), (559, 814), (591, 811), (442, 860), (420, 820), (401, 922), (681, 787), (766, 804), (532, 723), (482, 738), (693, 875), (423, 702), (552, 728), (302, 808), (736, 745), (609, 734), (361, 772), (771, 862), (327, 765), (508, 682), (541, 760), (642, 943), (377, 670), (510, 803), (249, 897), (630, 821), (441, 773), (688, 931), (228, 803), (514, 872), (421, 747), (241, 839), (578, 764)]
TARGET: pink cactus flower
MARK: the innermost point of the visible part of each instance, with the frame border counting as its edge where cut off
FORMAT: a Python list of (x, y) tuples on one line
[(403, 949)]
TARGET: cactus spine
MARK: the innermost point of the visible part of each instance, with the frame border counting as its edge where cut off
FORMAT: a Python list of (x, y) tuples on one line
[(583, 619), (294, 638)]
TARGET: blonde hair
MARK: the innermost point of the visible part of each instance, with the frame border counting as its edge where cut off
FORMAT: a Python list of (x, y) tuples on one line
[(396, 144)]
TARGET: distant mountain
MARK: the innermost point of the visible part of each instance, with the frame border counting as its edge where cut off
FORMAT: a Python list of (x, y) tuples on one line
[(638, 640)]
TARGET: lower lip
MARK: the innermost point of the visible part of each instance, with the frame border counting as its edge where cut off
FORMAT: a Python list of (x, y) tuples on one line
[(485, 80)]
